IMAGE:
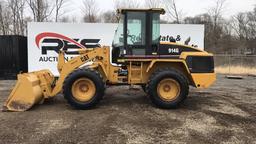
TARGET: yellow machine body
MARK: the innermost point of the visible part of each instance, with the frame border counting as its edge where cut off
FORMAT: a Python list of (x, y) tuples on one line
[(32, 88)]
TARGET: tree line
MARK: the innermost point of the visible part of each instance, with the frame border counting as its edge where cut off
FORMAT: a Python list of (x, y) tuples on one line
[(233, 35)]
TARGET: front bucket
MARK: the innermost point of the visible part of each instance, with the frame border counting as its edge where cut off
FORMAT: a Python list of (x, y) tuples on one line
[(26, 93)]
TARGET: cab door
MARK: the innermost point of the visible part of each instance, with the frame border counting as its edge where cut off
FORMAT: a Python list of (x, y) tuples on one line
[(136, 33)]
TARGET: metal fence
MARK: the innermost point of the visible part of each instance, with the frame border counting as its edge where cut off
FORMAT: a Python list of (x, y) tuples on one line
[(13, 56), (235, 60)]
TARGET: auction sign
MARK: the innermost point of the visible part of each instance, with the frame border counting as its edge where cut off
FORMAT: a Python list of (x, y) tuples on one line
[(46, 39)]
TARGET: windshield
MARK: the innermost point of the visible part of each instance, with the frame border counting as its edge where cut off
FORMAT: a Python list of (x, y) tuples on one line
[(119, 37)]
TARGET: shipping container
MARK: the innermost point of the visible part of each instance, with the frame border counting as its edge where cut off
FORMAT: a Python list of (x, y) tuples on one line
[(13, 56)]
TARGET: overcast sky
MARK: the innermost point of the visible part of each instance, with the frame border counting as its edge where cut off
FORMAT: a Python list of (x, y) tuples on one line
[(189, 7)]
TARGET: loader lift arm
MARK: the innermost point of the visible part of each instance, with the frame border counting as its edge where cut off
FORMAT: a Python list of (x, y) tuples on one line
[(65, 68)]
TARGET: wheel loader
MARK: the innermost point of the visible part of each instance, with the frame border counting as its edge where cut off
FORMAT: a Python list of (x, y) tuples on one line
[(164, 70)]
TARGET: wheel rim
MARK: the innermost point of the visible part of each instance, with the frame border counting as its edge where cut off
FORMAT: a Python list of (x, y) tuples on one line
[(168, 89), (83, 89)]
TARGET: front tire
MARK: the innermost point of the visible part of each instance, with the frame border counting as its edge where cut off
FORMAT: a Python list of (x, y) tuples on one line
[(143, 87), (83, 88), (167, 88)]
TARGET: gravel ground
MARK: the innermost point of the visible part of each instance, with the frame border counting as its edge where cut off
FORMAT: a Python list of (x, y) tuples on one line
[(224, 113)]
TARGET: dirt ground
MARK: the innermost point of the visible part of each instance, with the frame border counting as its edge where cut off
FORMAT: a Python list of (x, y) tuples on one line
[(224, 113)]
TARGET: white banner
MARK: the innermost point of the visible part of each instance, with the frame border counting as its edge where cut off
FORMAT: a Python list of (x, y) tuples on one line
[(45, 39)]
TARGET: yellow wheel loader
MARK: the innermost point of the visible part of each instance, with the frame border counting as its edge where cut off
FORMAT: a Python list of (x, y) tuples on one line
[(163, 69)]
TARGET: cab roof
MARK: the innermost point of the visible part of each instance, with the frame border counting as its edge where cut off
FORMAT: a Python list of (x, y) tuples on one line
[(155, 10)]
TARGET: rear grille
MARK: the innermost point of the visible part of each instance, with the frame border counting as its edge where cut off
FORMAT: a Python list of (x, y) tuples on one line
[(200, 64)]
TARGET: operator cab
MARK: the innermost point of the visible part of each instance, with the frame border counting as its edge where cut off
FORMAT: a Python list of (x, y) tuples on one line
[(138, 33)]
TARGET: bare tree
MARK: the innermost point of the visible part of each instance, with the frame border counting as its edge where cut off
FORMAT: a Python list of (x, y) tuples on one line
[(172, 10), (41, 9), (66, 19), (5, 20), (153, 3), (59, 4), (252, 23), (216, 28), (239, 25), (2, 27), (109, 17), (217, 10), (90, 10), (244, 25), (16, 8), (126, 4)]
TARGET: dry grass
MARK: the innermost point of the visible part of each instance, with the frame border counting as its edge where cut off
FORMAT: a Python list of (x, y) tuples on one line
[(236, 70)]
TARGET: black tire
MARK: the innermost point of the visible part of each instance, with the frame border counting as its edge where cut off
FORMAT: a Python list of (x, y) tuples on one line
[(161, 74), (144, 88), (90, 74)]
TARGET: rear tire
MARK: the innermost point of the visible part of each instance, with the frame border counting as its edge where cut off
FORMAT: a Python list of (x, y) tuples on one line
[(167, 88), (83, 88)]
